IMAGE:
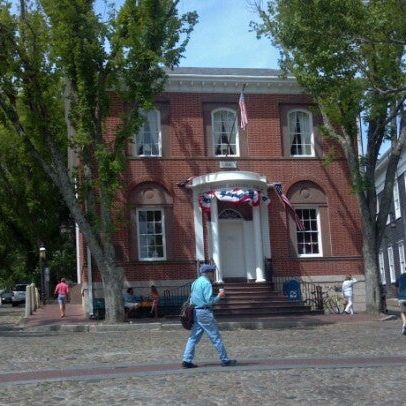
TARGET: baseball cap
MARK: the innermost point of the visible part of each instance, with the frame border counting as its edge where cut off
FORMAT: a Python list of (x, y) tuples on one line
[(207, 268)]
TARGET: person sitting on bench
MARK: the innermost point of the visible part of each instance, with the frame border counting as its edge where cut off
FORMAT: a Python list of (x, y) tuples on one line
[(130, 301)]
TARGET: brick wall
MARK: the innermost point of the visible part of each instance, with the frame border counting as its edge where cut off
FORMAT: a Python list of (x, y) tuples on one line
[(187, 154)]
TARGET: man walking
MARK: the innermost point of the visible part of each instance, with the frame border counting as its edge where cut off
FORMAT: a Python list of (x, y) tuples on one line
[(401, 290), (202, 298)]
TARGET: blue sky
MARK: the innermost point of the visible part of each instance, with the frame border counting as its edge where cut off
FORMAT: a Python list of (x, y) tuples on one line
[(222, 38)]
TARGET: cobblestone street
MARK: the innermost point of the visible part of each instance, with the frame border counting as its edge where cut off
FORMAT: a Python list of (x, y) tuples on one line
[(277, 366)]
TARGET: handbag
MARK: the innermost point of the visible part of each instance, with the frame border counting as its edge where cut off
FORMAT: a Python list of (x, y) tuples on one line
[(186, 314)]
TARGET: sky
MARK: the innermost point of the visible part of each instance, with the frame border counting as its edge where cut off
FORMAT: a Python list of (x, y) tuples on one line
[(222, 38)]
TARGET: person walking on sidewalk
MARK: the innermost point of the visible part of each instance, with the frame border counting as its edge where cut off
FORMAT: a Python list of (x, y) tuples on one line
[(202, 298), (62, 290), (401, 291), (348, 293)]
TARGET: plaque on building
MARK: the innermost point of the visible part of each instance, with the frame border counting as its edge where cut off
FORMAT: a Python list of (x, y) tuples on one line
[(228, 164)]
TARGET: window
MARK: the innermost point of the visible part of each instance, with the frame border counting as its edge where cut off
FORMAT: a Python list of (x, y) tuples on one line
[(151, 234), (377, 206), (300, 133), (391, 265), (225, 132), (382, 268), (148, 139), (309, 241), (402, 264), (396, 200)]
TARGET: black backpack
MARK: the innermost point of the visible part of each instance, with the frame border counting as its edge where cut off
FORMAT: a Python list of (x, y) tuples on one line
[(186, 315)]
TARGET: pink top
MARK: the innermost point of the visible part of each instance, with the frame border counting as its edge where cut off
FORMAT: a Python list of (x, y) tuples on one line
[(62, 288)]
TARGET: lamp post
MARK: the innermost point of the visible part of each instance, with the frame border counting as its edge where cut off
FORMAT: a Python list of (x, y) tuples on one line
[(42, 257)]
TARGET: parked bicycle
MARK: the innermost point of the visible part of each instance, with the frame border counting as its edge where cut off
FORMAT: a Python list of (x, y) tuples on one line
[(329, 300)]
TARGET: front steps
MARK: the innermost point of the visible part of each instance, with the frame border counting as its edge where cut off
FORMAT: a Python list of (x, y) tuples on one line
[(256, 299)]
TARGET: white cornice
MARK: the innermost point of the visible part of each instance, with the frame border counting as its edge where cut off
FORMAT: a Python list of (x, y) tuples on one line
[(204, 83), (230, 179)]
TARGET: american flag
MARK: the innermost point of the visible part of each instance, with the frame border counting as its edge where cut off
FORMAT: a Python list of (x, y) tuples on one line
[(299, 223), (243, 111)]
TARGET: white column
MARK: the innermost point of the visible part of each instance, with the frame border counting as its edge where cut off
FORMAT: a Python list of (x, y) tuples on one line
[(266, 240), (198, 222), (259, 252), (216, 239)]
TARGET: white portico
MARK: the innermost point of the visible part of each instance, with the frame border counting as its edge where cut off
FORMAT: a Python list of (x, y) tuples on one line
[(237, 233)]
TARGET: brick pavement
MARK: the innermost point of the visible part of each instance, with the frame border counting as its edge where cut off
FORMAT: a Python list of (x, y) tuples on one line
[(119, 370), (337, 364)]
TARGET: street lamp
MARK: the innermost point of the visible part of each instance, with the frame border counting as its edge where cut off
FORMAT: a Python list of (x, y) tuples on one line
[(42, 257)]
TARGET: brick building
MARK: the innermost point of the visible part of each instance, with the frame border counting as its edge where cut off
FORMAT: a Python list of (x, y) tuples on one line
[(192, 156)]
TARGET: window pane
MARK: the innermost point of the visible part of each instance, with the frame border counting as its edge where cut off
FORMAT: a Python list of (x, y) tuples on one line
[(299, 133), (308, 240), (147, 139), (151, 234), (225, 132)]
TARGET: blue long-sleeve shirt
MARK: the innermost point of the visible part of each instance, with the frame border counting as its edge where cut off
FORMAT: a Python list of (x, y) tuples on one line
[(202, 293)]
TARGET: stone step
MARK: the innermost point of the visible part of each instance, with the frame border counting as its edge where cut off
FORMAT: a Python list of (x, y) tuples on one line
[(248, 290), (257, 305), (237, 302), (263, 311), (254, 296)]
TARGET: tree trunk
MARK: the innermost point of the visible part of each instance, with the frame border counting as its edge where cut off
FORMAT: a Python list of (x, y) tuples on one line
[(113, 277), (372, 278)]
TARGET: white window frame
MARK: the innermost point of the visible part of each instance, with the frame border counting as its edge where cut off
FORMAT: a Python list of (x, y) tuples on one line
[(391, 262), (145, 209), (159, 128), (382, 267), (402, 263), (237, 132), (396, 200), (312, 153), (378, 206), (319, 239)]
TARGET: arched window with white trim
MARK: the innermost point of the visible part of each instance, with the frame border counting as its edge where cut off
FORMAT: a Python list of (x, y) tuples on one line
[(300, 132), (225, 132)]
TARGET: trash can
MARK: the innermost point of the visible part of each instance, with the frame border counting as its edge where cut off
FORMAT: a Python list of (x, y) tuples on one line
[(291, 289)]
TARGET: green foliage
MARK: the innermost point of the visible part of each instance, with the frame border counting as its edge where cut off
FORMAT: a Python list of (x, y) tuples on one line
[(350, 56), (60, 67), (31, 210), (346, 53)]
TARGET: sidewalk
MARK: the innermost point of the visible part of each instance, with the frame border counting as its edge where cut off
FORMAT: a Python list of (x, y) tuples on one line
[(48, 319)]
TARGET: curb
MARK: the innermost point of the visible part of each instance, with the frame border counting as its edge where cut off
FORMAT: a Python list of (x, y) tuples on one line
[(165, 326)]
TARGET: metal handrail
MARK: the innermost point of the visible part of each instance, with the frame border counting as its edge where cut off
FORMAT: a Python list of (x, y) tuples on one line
[(311, 294)]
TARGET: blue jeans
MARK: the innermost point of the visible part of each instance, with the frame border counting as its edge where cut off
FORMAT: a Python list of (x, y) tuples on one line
[(204, 322)]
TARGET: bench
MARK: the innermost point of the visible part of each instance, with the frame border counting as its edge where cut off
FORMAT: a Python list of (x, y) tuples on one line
[(99, 308), (168, 306)]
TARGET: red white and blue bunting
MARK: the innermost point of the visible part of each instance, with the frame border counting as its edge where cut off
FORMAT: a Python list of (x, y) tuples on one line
[(235, 196)]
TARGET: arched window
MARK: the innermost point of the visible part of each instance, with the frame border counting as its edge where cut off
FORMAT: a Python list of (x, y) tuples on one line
[(300, 130), (148, 139), (310, 204), (230, 214), (152, 210), (225, 132)]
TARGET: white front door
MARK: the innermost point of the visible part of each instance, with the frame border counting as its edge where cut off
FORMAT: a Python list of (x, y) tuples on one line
[(232, 251)]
